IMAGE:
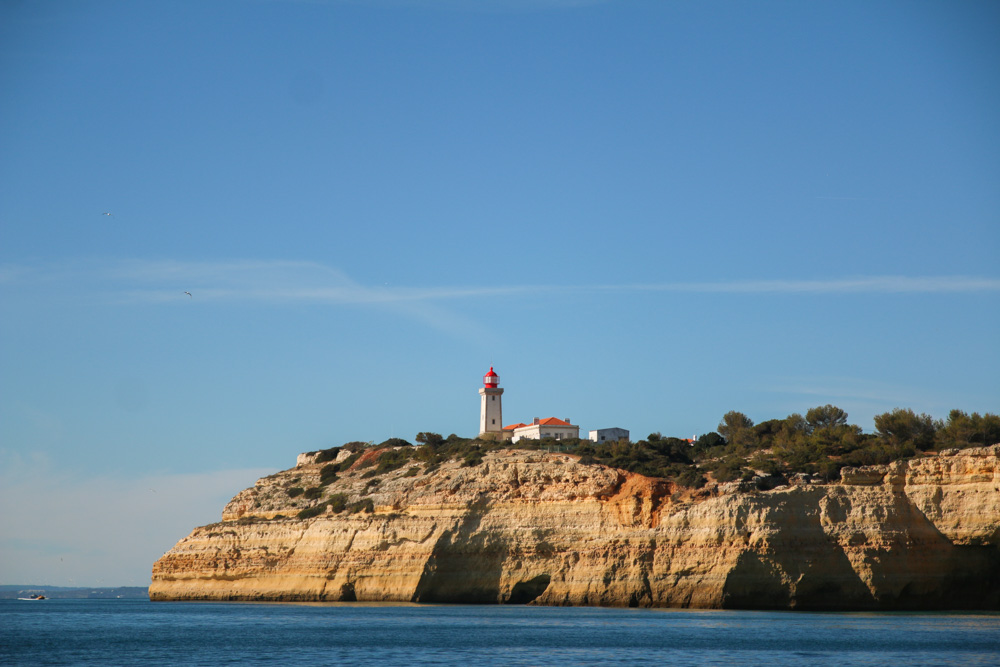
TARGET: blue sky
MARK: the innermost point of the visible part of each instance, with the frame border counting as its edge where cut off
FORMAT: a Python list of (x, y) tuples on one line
[(643, 214)]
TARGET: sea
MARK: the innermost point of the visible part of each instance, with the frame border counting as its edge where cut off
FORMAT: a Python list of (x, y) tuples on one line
[(139, 632)]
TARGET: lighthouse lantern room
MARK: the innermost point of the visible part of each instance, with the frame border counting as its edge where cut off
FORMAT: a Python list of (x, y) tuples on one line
[(491, 412)]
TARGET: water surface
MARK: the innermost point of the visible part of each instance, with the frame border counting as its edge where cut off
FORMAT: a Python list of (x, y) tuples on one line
[(134, 632)]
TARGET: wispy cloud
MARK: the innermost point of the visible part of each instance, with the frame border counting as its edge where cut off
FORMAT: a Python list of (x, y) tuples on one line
[(290, 281), (860, 390), (855, 285), (462, 5), (282, 281)]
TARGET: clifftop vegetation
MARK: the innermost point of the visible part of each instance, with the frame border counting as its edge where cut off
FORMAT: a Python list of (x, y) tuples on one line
[(816, 445)]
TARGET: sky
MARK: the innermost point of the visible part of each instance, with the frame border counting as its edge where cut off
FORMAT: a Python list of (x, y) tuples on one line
[(232, 231)]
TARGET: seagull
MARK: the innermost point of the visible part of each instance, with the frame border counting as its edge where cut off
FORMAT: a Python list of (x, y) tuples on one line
[(188, 293), (108, 213)]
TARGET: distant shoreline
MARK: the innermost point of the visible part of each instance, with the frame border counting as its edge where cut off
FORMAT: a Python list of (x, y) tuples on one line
[(14, 591)]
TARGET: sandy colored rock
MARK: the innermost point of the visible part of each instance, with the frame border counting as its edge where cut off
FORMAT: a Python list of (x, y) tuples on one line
[(533, 527)]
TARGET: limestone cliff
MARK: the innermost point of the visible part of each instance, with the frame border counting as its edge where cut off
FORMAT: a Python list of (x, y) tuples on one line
[(533, 527)]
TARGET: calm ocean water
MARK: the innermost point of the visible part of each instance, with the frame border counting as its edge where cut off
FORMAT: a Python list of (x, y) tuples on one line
[(137, 632)]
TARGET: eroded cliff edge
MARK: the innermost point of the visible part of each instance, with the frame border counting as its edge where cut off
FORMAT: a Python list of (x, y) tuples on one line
[(533, 527)]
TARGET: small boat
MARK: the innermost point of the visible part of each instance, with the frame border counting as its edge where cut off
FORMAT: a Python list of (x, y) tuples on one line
[(34, 597)]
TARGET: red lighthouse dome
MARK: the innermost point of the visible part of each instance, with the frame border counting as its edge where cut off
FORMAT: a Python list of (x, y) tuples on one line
[(491, 379)]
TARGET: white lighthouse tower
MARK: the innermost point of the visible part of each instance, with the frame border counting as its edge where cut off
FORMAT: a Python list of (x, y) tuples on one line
[(491, 413)]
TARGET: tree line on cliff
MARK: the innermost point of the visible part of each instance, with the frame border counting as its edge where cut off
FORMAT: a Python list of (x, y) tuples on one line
[(822, 441), (816, 445)]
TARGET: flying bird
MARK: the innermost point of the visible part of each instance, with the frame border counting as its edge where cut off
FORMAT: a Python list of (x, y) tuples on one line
[(188, 293), (108, 213)]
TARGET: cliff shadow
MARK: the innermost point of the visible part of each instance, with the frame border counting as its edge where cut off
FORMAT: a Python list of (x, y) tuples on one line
[(798, 567), (528, 591), (929, 571), (465, 565), (905, 562)]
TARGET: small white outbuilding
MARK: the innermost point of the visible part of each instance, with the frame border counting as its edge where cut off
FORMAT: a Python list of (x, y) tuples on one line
[(608, 434)]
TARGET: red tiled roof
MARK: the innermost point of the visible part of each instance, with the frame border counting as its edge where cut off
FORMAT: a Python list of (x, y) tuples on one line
[(552, 421), (549, 421)]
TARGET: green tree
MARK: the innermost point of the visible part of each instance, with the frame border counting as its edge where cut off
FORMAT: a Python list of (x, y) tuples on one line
[(793, 431), (796, 423), (709, 440), (766, 432), (957, 431), (826, 416), (432, 440), (737, 429), (989, 426), (903, 426), (708, 445), (964, 430)]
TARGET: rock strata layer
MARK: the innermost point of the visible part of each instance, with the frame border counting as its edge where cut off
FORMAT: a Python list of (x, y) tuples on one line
[(530, 527)]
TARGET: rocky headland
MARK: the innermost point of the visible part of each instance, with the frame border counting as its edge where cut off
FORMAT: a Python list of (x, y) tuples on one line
[(534, 527)]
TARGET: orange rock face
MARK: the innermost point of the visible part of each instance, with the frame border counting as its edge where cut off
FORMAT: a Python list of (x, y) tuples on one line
[(542, 528)]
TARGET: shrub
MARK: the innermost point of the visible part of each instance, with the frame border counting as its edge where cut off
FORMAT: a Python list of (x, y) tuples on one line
[(881, 453), (337, 502), (313, 492), (348, 462), (766, 464), (691, 477), (392, 459), (294, 491), (829, 471), (328, 474), (768, 482), (395, 442), (310, 512), (355, 446), (728, 470), (327, 454), (432, 440), (364, 505)]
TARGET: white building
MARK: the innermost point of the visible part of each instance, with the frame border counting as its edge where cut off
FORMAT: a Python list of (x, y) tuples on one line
[(551, 427), (609, 434)]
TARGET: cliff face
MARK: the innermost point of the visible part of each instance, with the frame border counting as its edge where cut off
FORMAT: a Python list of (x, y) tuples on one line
[(533, 527)]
